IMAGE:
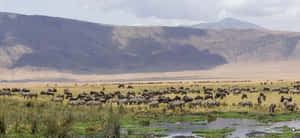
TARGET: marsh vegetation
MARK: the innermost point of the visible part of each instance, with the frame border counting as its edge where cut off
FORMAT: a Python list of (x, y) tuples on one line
[(142, 109)]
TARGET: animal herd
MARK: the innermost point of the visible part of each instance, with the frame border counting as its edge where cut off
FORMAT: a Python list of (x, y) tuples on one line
[(171, 97)]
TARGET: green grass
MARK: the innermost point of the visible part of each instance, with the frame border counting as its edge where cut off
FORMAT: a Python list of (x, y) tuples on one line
[(198, 123), (38, 118), (286, 133), (160, 134), (213, 133), (153, 129)]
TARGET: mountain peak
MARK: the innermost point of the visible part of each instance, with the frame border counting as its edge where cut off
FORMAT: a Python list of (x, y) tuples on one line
[(229, 19), (228, 23)]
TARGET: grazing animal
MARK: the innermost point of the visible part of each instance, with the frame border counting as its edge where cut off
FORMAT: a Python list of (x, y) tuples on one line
[(47, 93), (30, 95), (130, 87), (57, 99), (195, 103), (187, 99), (291, 106), (208, 93), (121, 86), (244, 96), (276, 90), (295, 91), (283, 91), (259, 100), (25, 90), (211, 103), (236, 92), (176, 98), (208, 97), (272, 108), (289, 99), (266, 89), (79, 102), (246, 103), (199, 98), (220, 95), (154, 104), (52, 90), (91, 103), (123, 101), (263, 96), (173, 105)]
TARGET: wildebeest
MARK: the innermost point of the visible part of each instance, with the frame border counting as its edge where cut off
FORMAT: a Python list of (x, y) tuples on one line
[(52, 90), (89, 103), (175, 104), (46, 93), (275, 89), (195, 91), (187, 99), (259, 100), (123, 101), (121, 86), (295, 91), (176, 98), (199, 98), (79, 102), (211, 103), (291, 106), (130, 87), (289, 99), (208, 97), (208, 93), (57, 99), (266, 89), (263, 96), (25, 90), (30, 95), (154, 104), (15, 90), (244, 96), (272, 108), (220, 95), (5, 93), (246, 103), (195, 103), (236, 92), (283, 92), (137, 101), (61, 96)]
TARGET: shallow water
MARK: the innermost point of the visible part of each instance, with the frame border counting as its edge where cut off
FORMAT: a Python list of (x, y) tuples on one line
[(241, 126)]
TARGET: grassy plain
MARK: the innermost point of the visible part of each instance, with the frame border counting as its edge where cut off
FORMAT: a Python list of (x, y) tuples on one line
[(41, 118)]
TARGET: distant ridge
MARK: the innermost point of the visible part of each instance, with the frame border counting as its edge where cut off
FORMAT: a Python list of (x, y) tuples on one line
[(227, 23), (42, 42)]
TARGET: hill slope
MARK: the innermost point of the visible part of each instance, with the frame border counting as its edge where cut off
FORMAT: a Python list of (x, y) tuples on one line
[(82, 47)]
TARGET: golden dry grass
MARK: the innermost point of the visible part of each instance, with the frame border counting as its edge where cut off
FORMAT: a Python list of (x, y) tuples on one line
[(230, 103)]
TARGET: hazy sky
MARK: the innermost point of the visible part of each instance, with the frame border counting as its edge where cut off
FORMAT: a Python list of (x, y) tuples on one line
[(272, 14)]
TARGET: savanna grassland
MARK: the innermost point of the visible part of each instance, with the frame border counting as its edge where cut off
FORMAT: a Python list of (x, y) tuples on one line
[(44, 117)]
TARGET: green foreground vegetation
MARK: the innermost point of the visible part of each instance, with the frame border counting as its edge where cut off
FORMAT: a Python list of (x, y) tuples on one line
[(33, 118), (40, 117)]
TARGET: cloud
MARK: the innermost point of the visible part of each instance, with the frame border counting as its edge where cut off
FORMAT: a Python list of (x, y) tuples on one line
[(154, 21), (274, 14), (199, 9), (262, 8)]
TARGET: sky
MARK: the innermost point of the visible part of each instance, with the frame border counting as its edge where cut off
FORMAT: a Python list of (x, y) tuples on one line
[(271, 14)]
